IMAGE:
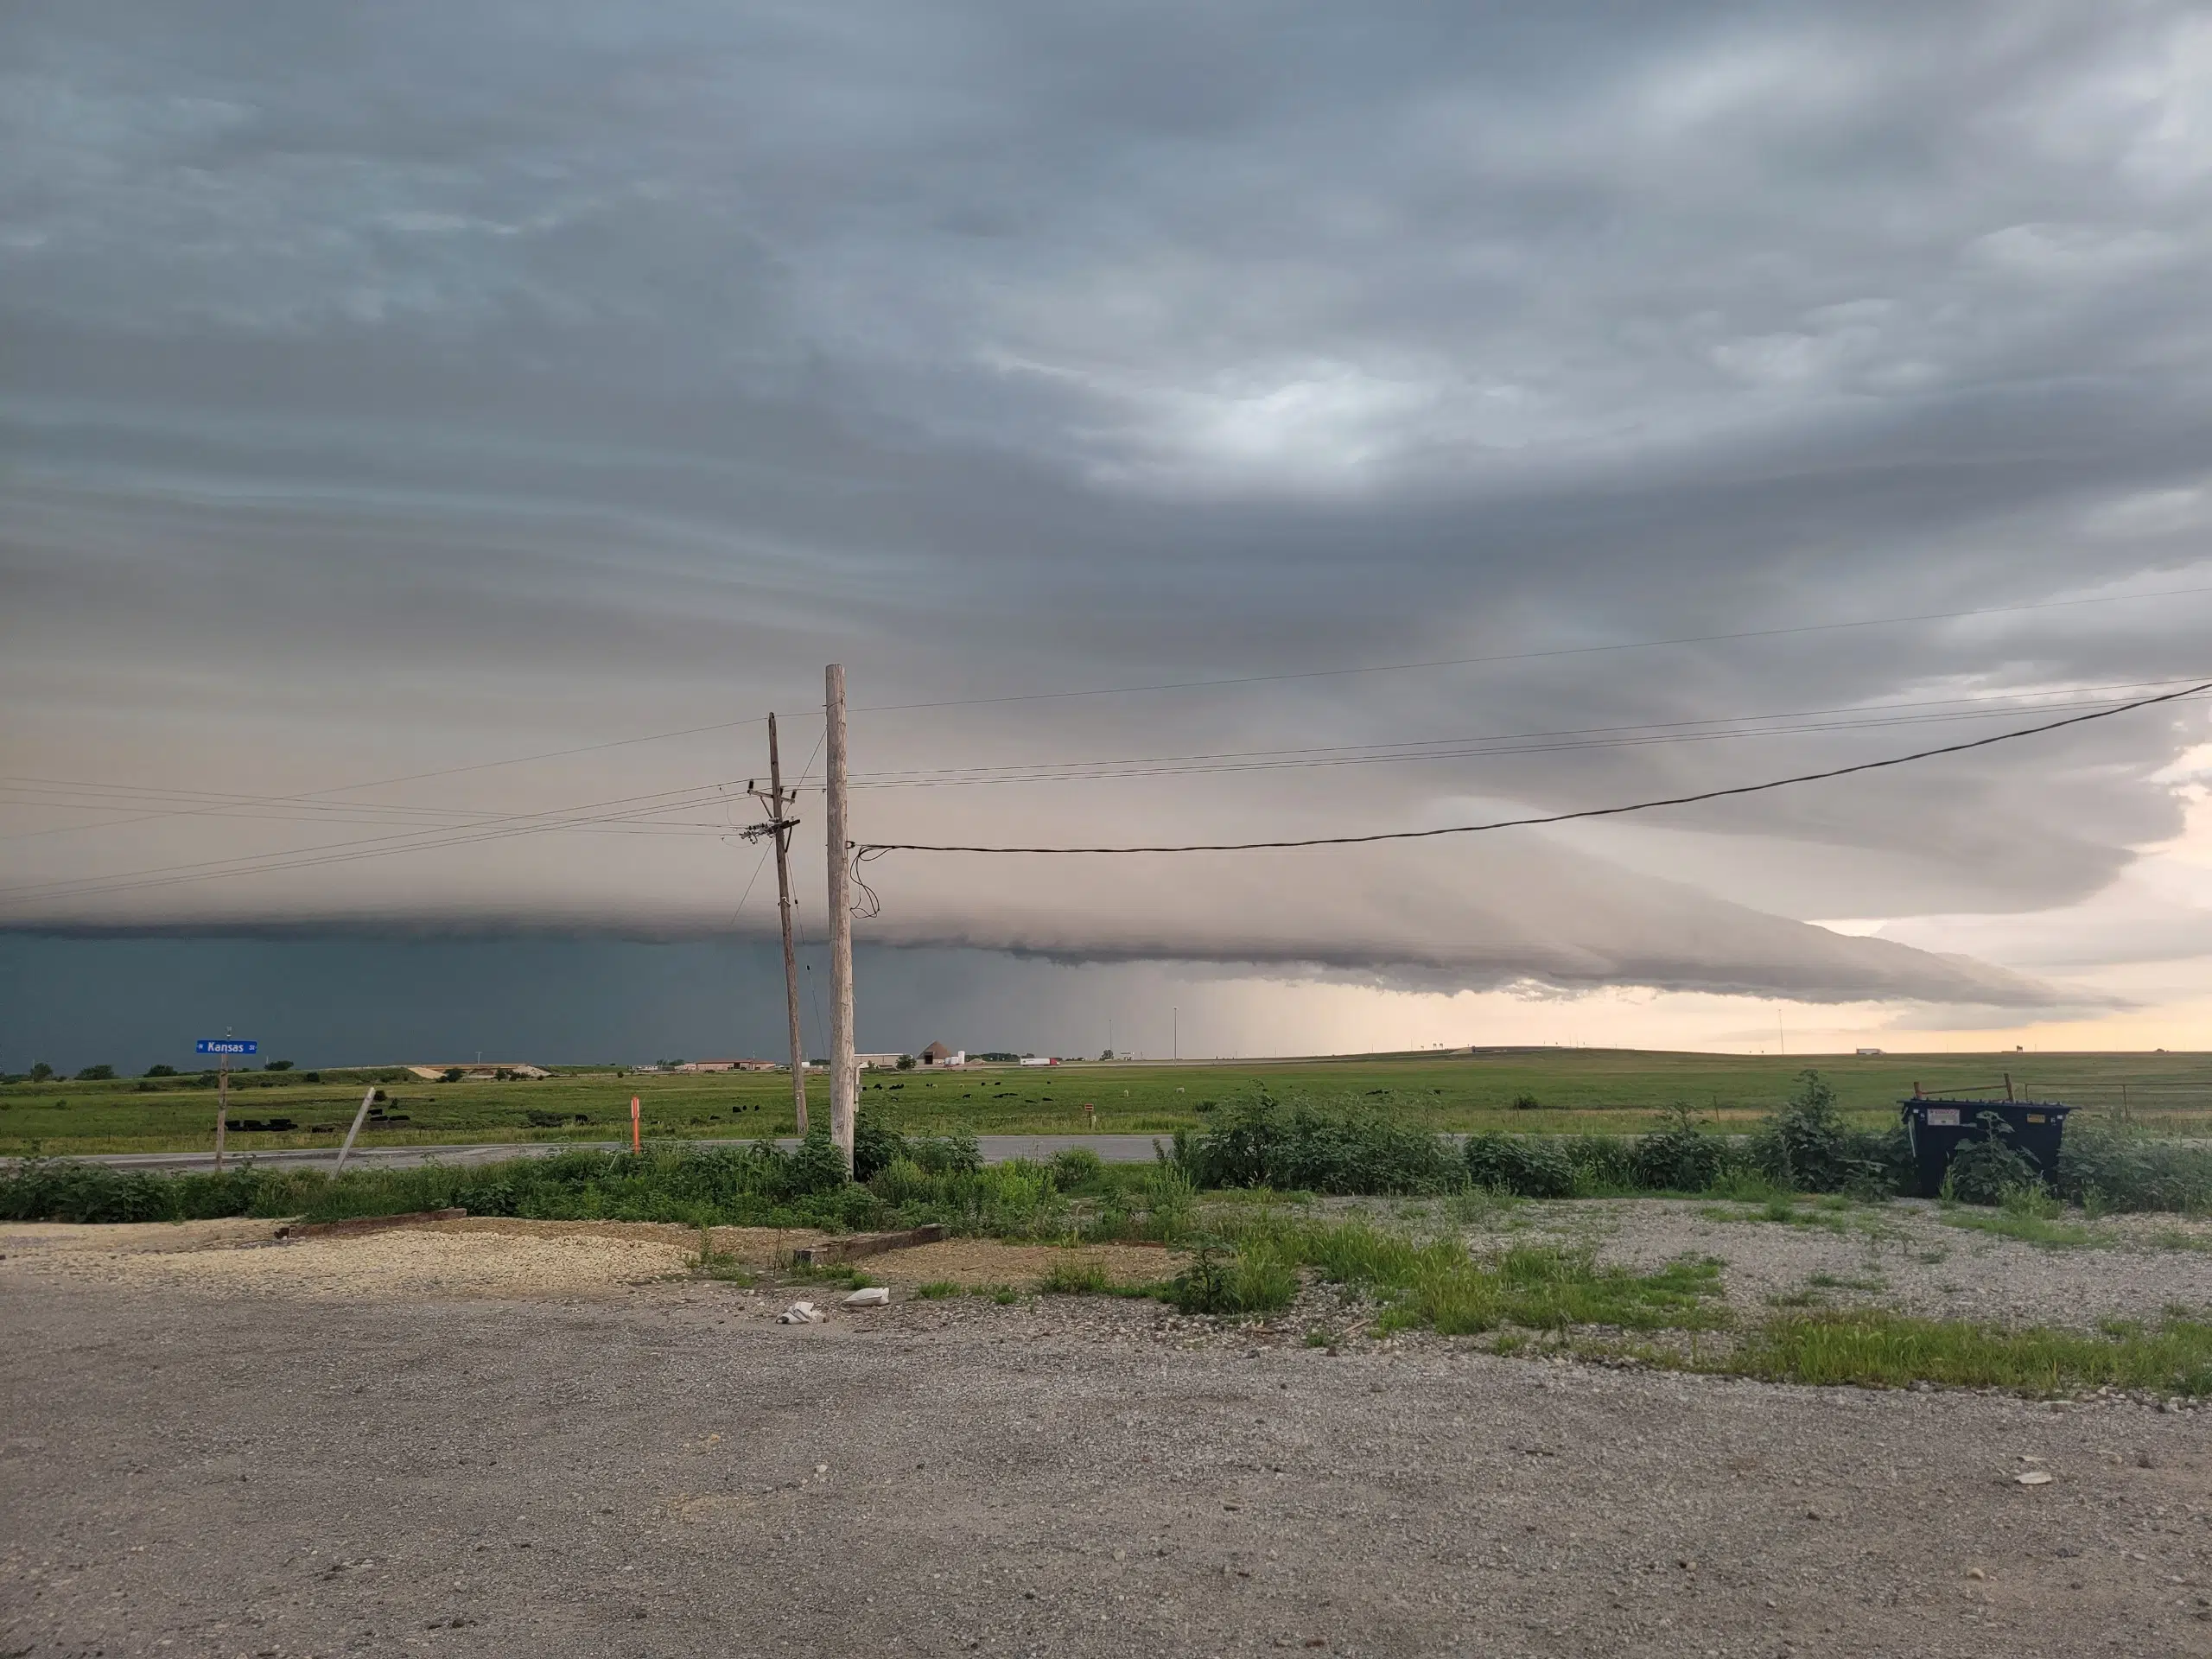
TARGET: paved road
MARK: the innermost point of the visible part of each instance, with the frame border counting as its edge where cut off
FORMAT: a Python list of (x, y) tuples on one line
[(667, 1474), (997, 1149)]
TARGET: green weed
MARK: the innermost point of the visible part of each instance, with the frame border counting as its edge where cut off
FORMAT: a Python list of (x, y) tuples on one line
[(2030, 1215), (1071, 1277), (1874, 1349)]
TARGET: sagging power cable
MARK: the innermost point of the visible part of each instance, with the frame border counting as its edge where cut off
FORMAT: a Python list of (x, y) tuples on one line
[(876, 849)]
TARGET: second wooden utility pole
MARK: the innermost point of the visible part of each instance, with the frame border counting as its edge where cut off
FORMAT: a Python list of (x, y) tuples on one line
[(842, 1078), (782, 831)]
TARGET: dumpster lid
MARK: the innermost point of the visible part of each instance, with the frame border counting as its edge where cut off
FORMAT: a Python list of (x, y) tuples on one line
[(1984, 1105)]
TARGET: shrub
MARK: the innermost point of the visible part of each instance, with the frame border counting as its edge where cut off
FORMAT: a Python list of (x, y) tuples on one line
[(40, 1071), (958, 1153), (160, 1070), (286, 1066), (1989, 1168), (1680, 1157), (2106, 1168), (1808, 1147), (1347, 1147), (1525, 1164), (1527, 1104), (1075, 1166), (901, 1183), (1604, 1165), (96, 1074), (875, 1147)]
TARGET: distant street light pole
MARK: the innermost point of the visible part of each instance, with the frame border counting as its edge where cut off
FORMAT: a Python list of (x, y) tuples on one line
[(841, 923)]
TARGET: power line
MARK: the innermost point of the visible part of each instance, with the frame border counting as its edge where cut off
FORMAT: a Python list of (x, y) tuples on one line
[(1452, 748), (1535, 656), (626, 808), (638, 814), (879, 848), (409, 777), (1180, 685)]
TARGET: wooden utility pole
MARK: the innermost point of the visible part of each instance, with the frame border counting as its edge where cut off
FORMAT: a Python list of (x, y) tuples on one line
[(781, 827), (841, 923)]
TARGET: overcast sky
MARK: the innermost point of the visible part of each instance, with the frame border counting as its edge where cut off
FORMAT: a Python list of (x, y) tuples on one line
[(392, 393)]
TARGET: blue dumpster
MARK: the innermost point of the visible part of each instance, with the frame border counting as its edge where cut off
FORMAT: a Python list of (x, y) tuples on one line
[(1937, 1129)]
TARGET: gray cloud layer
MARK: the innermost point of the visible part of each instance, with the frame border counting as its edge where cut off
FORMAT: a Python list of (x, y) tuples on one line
[(476, 381)]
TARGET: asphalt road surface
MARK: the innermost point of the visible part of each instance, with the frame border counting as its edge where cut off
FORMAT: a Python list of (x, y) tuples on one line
[(997, 1149), (661, 1473)]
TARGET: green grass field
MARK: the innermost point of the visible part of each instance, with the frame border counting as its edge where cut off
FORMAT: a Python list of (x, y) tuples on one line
[(1574, 1089)]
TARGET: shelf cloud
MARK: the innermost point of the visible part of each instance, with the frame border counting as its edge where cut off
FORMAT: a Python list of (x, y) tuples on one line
[(474, 383)]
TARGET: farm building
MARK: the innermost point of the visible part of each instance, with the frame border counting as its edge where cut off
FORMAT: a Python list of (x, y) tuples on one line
[(871, 1062), (731, 1065), (478, 1072), (938, 1054)]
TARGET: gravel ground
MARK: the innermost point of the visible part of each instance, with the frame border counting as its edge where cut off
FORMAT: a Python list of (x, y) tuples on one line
[(663, 1471), (1903, 1255)]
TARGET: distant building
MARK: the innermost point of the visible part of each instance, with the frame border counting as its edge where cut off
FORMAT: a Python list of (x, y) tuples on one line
[(480, 1071), (1867, 1054), (868, 1062), (938, 1054)]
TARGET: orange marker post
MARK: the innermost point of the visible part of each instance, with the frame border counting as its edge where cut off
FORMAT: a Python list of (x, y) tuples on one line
[(634, 1146)]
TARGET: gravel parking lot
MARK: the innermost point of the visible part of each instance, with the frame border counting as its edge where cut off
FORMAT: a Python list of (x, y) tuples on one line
[(656, 1468)]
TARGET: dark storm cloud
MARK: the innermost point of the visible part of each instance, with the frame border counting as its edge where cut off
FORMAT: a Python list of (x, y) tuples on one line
[(514, 373)]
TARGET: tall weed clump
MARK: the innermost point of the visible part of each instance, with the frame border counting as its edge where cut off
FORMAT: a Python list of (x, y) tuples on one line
[(1677, 1158), (2106, 1168), (42, 1189), (1017, 1199), (876, 1147), (1533, 1167), (1808, 1147), (759, 1186), (1680, 1157), (1305, 1146), (1990, 1169)]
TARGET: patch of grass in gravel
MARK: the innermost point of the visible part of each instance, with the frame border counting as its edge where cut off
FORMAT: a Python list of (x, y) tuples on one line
[(2172, 1238), (1872, 1348), (1072, 1277), (1435, 1284), (2030, 1227), (1827, 1213)]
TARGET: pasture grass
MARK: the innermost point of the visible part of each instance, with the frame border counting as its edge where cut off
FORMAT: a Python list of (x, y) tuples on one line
[(1571, 1090)]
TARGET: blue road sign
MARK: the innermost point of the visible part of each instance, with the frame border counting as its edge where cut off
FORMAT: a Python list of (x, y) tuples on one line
[(227, 1045)]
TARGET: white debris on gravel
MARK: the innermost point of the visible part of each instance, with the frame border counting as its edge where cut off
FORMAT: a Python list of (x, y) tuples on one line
[(800, 1313), (874, 1296)]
